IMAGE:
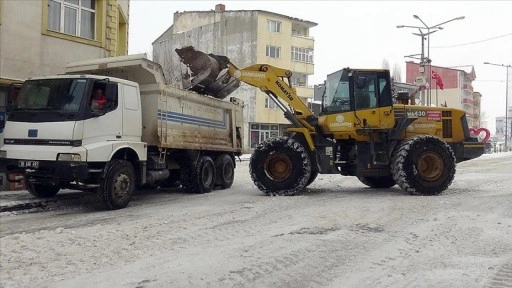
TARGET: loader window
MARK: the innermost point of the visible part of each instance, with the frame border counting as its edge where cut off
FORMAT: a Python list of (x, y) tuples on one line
[(385, 97), (365, 96), (337, 93)]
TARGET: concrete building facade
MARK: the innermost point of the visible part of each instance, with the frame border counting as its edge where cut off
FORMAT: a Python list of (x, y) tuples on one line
[(41, 37), (247, 37), (457, 89)]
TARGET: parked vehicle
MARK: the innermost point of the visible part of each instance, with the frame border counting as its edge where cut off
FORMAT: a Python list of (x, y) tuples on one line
[(146, 133)]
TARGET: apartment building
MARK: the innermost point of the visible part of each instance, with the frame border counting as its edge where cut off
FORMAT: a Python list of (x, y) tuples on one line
[(457, 89), (40, 37), (247, 37)]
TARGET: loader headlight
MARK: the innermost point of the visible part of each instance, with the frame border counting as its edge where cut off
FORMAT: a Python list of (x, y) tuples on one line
[(68, 157)]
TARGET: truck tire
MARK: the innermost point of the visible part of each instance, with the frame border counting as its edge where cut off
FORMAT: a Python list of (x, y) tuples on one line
[(423, 165), (377, 181), (116, 189), (201, 179), (280, 166), (41, 190), (225, 170)]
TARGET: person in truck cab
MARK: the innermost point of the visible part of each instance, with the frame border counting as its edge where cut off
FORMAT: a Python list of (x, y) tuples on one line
[(98, 99)]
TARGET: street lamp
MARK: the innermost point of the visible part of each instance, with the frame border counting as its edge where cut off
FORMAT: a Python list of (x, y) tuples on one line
[(422, 57), (438, 27), (506, 101)]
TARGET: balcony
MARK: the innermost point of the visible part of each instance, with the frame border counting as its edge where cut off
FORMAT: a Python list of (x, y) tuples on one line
[(467, 87), (304, 91)]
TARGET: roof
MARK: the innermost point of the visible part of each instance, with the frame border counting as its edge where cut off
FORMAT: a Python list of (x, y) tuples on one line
[(467, 69), (309, 23)]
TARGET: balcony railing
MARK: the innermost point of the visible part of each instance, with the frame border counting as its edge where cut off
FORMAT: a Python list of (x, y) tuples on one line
[(297, 34)]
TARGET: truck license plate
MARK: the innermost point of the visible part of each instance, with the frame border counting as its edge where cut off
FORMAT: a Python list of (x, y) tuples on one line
[(31, 164)]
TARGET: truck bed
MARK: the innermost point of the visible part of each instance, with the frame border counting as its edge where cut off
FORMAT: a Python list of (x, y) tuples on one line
[(171, 116)]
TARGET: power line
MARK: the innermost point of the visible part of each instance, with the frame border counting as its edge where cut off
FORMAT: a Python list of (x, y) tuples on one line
[(480, 41)]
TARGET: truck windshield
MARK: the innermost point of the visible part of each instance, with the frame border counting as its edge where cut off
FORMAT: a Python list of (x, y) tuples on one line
[(60, 95), (337, 93)]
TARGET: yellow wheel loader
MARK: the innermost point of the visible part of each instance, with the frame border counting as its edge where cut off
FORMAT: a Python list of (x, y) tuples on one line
[(361, 131)]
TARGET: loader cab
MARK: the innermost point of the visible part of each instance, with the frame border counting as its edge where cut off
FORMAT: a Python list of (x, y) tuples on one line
[(354, 90)]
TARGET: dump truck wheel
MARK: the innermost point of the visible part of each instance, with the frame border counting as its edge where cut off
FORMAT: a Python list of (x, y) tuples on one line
[(202, 178), (41, 190), (377, 181), (117, 186), (225, 170), (280, 166), (423, 165)]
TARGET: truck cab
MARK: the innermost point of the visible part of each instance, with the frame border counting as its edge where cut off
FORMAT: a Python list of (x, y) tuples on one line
[(57, 140)]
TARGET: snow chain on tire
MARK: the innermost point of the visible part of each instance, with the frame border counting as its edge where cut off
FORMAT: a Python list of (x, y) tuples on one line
[(280, 166), (423, 165)]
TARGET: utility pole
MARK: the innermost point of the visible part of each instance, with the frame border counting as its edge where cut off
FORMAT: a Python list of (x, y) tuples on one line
[(506, 101), (435, 28)]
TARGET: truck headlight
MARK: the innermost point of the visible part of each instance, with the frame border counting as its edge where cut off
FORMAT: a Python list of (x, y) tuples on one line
[(68, 157), (3, 154)]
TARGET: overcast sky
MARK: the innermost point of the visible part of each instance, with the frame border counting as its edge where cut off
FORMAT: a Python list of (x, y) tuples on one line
[(362, 34)]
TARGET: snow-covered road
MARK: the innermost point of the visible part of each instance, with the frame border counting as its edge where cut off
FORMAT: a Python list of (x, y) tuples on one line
[(337, 233)]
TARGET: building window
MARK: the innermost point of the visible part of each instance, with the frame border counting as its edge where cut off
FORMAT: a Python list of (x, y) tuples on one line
[(262, 132), (273, 51), (270, 104), (73, 17), (274, 26), (301, 54)]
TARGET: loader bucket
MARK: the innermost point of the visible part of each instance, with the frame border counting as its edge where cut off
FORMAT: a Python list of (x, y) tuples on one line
[(207, 74)]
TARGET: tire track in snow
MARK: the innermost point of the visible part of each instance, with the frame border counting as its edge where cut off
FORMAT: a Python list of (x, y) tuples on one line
[(503, 277)]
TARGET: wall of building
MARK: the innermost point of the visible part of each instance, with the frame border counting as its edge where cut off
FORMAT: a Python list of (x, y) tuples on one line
[(243, 37), (29, 49), (457, 90)]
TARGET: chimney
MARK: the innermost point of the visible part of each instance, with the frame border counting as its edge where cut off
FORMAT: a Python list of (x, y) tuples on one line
[(220, 8)]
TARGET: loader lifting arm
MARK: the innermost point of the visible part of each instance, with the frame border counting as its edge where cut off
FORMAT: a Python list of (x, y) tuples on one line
[(269, 79)]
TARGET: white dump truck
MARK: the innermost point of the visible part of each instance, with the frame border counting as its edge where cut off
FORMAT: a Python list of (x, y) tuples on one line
[(145, 134)]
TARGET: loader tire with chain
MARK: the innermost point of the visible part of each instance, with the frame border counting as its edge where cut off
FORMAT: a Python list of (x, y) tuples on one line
[(280, 166), (423, 165)]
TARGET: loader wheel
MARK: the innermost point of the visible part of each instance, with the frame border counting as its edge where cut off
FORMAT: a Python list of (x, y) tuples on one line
[(423, 165), (201, 179), (116, 189), (41, 190), (377, 181), (225, 170), (312, 177), (280, 166)]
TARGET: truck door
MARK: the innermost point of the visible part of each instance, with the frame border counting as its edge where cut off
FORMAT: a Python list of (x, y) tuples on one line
[(132, 116), (101, 128)]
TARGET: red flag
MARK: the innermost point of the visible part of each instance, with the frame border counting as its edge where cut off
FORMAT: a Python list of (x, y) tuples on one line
[(439, 81)]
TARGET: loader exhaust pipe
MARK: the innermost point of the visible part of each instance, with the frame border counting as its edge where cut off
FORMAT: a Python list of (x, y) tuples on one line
[(206, 74)]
